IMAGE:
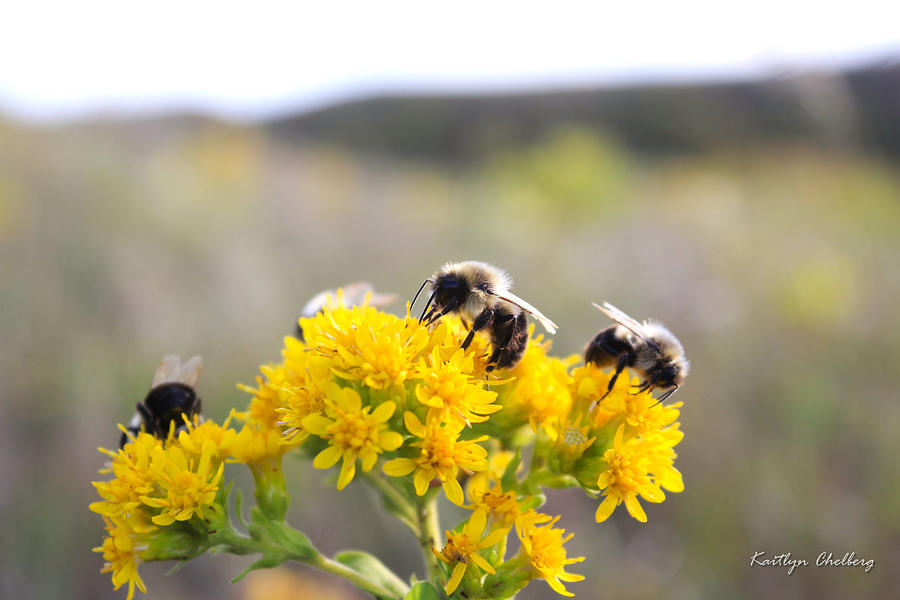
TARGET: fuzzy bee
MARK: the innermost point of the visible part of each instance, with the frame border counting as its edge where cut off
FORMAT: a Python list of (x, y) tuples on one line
[(480, 293), (648, 348), (352, 294), (171, 396)]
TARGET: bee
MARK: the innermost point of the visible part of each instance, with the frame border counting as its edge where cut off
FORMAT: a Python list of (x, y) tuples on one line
[(171, 395), (648, 348), (358, 293), (480, 293)]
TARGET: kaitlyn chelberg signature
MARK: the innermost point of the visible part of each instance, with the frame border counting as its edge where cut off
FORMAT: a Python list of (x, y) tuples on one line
[(824, 559)]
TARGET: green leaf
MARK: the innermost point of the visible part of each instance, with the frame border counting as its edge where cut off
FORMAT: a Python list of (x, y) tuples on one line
[(534, 501), (423, 590), (297, 543), (367, 565), (239, 508), (266, 562)]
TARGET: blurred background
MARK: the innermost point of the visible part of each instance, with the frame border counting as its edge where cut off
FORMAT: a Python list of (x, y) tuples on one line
[(184, 179)]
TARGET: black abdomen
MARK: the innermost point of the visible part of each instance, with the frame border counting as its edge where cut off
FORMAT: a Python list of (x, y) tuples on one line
[(509, 338), (606, 347)]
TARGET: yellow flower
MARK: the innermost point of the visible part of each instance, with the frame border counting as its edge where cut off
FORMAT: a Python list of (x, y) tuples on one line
[(132, 478), (572, 437), (628, 476), (441, 456), (196, 438), (502, 507), (121, 555), (450, 392), (462, 548), (448, 336), (268, 396), (354, 432), (643, 413), (254, 445), (541, 386), (305, 391), (543, 544), (366, 345), (186, 487)]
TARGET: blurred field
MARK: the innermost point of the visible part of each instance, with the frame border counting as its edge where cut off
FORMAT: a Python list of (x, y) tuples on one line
[(775, 261)]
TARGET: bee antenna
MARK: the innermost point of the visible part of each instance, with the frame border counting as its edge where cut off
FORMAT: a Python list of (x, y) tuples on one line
[(427, 304), (422, 287)]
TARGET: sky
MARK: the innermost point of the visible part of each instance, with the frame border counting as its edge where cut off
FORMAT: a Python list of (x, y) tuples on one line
[(63, 60)]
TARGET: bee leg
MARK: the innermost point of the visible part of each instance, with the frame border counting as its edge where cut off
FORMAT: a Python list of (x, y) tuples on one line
[(643, 387), (501, 346), (447, 309), (623, 360), (665, 395), (481, 321), (149, 421)]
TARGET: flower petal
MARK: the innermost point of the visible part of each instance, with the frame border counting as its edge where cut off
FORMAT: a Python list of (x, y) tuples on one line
[(327, 457), (454, 492), (482, 564), (476, 524), (384, 411), (348, 470), (413, 424), (634, 508), (458, 572), (316, 424), (606, 508), (421, 480), (399, 467), (390, 440)]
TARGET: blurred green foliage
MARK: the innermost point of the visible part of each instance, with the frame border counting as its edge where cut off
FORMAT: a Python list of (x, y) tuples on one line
[(775, 263)]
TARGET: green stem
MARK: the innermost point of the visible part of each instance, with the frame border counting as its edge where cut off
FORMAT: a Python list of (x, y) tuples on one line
[(430, 534), (273, 545), (389, 492), (324, 563)]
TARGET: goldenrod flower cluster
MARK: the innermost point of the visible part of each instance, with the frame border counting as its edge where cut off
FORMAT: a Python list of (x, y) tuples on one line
[(384, 398), (159, 485)]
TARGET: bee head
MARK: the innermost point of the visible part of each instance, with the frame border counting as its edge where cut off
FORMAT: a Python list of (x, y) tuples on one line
[(450, 288), (668, 375)]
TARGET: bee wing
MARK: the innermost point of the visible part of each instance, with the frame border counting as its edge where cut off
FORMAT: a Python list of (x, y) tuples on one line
[(315, 304), (172, 370), (353, 294), (508, 296), (356, 294), (622, 319)]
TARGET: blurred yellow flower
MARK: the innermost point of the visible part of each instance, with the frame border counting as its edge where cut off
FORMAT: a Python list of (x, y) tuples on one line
[(462, 548), (442, 455), (355, 431)]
